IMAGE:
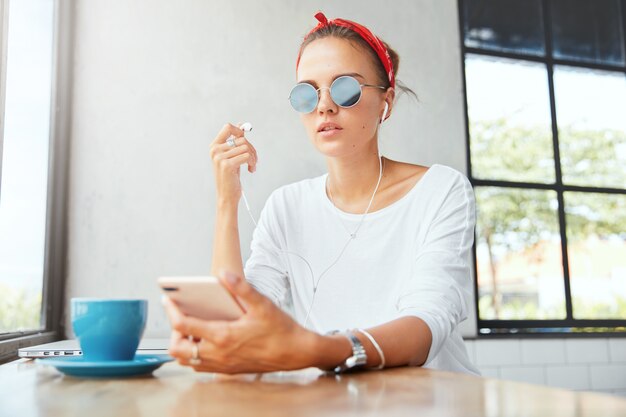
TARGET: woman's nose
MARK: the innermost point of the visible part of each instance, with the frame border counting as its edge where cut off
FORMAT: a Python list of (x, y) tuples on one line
[(326, 103)]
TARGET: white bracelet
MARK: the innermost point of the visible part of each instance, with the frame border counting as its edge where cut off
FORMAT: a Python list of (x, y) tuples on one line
[(376, 346)]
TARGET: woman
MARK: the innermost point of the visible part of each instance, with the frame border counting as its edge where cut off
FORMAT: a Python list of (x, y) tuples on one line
[(376, 248)]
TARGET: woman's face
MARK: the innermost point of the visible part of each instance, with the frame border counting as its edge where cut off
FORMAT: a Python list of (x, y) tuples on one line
[(353, 128)]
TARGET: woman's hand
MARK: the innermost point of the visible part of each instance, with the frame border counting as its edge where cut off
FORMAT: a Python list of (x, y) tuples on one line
[(227, 161), (264, 339)]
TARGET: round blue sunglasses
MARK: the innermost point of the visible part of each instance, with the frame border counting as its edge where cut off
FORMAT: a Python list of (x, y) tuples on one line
[(345, 91)]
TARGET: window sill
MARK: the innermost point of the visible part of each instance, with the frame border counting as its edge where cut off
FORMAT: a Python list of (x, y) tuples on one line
[(554, 335)]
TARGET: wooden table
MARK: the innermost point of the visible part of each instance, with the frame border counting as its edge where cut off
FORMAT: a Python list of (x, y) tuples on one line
[(28, 389)]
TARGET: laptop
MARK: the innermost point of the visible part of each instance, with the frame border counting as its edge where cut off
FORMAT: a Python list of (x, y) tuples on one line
[(72, 348)]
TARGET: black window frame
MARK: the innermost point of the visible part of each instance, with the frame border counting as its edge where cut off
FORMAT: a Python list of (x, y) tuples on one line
[(541, 328), (52, 318)]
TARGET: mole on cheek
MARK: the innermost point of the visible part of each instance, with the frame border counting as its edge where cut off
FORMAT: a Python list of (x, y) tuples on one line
[(363, 126)]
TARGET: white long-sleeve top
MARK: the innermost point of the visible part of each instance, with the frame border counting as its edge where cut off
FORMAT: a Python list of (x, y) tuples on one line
[(410, 258)]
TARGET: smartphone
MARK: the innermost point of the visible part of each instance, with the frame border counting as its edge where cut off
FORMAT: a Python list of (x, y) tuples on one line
[(202, 297)]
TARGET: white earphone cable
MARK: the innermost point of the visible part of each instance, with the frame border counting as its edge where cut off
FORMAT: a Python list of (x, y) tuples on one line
[(353, 235)]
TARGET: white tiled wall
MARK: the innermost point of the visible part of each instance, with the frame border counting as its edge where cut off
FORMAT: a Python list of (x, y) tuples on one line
[(577, 364)]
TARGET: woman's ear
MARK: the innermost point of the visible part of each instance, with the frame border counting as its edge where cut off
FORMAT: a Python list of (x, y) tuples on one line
[(388, 104)]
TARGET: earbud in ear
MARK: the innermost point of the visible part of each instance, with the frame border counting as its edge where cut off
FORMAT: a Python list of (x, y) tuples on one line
[(382, 119)]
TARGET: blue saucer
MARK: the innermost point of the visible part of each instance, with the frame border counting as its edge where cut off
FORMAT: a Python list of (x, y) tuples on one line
[(78, 366)]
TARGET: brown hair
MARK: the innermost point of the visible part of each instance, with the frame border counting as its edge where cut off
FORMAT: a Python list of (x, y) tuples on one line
[(342, 32)]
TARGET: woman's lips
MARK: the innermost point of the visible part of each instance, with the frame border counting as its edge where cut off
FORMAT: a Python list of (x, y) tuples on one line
[(329, 133)]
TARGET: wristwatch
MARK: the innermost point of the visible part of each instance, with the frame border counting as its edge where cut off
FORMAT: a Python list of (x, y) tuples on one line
[(358, 358)]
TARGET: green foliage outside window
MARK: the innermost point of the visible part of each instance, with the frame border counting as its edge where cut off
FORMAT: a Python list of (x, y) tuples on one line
[(514, 220), (19, 309)]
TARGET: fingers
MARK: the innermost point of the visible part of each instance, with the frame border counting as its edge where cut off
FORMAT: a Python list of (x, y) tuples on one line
[(171, 309), (215, 348), (183, 350), (227, 131), (223, 153), (225, 147), (242, 150), (234, 163), (212, 358), (239, 287), (184, 326), (189, 326)]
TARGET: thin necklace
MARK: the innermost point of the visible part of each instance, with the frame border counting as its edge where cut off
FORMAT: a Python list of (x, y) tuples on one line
[(353, 235)]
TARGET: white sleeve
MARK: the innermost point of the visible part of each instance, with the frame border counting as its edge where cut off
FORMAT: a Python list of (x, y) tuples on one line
[(440, 284), (265, 268)]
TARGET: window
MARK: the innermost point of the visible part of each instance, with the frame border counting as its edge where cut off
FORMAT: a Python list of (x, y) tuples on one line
[(545, 84), (32, 149)]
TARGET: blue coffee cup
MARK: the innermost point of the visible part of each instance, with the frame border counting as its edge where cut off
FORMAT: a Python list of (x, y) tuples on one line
[(108, 329)]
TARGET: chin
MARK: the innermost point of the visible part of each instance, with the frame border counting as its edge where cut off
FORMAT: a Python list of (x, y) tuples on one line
[(332, 149)]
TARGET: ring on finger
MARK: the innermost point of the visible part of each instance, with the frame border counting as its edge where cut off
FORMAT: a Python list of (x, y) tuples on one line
[(231, 142), (195, 358)]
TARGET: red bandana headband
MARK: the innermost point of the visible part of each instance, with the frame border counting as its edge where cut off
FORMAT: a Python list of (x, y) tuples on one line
[(376, 44)]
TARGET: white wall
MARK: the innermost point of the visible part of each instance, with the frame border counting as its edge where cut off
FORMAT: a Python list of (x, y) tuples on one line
[(597, 364), (156, 80)]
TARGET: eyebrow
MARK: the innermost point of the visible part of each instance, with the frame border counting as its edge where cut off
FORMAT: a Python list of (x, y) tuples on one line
[(353, 74)]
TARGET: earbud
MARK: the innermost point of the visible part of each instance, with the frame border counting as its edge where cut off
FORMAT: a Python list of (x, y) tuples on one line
[(246, 127), (382, 119)]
